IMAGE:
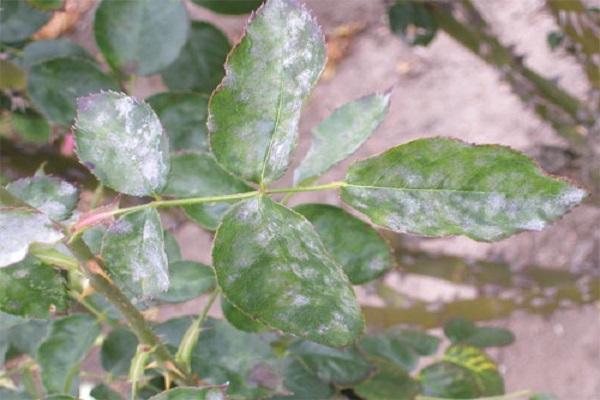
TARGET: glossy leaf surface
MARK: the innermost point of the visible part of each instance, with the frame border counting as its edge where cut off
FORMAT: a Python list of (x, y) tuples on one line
[(272, 265), (21, 227), (355, 245), (199, 175), (199, 66), (65, 347), (254, 113), (122, 141), (341, 134), (133, 249), (54, 85), (188, 280), (441, 187), (52, 196), (140, 37), (32, 289), (183, 115)]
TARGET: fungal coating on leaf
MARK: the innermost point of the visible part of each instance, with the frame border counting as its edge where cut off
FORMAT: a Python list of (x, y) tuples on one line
[(124, 141), (52, 196), (271, 265), (441, 187), (254, 112)]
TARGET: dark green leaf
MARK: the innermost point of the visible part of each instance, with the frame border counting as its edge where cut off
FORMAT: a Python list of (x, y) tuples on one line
[(52, 196), (272, 265), (555, 39), (121, 140), (303, 384), (32, 289), (44, 50), (172, 247), (231, 7), (171, 331), (54, 85), (460, 330), (133, 249), (60, 354), (18, 20), (240, 320), (183, 115), (118, 349), (199, 66), (422, 343), (341, 134), (340, 366), (441, 187), (25, 338), (199, 175), (446, 379), (46, 4), (388, 383), (30, 125), (482, 367), (140, 37), (386, 347), (413, 22), (355, 245), (188, 280), (21, 227), (254, 113), (190, 393), (103, 392), (224, 354)]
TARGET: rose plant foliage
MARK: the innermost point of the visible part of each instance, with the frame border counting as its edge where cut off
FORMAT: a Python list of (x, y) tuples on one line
[(293, 327)]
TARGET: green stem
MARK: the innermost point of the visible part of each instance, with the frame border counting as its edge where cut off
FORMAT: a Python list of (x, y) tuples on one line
[(508, 396), (297, 189)]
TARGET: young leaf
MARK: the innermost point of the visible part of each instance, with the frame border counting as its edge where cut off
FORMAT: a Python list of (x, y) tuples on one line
[(32, 289), (304, 384), (60, 354), (188, 280), (272, 265), (52, 196), (460, 330), (199, 66), (21, 227), (240, 320), (140, 37), (441, 187), (341, 134), (189, 393), (183, 115), (199, 175), (122, 142), (340, 366), (54, 85), (133, 249), (253, 114), (355, 245), (229, 7), (117, 351), (389, 382), (226, 355), (44, 50), (482, 367), (18, 21)]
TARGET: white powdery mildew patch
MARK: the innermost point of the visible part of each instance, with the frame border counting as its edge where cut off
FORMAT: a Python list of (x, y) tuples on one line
[(151, 269), (19, 229)]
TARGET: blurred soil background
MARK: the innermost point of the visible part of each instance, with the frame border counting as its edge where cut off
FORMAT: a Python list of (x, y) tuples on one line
[(443, 90)]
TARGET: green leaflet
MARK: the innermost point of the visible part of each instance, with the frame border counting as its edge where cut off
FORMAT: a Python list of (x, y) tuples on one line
[(199, 66), (117, 351), (341, 134), (484, 369), (304, 384), (460, 330), (44, 50), (122, 142), (355, 245), (388, 383), (54, 85), (52, 196), (21, 227), (64, 348), (188, 280), (133, 249), (238, 319), (190, 393), (30, 125), (448, 380), (254, 112), (18, 21), (32, 289), (140, 37), (199, 175), (441, 187), (183, 115), (340, 366), (413, 22), (46, 4), (229, 7), (272, 265), (171, 247), (104, 392)]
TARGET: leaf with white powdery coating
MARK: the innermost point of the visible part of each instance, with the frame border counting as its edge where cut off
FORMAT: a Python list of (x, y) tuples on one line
[(21, 227), (254, 112), (341, 134), (272, 265), (122, 141), (441, 187), (52, 196), (133, 249), (191, 393)]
